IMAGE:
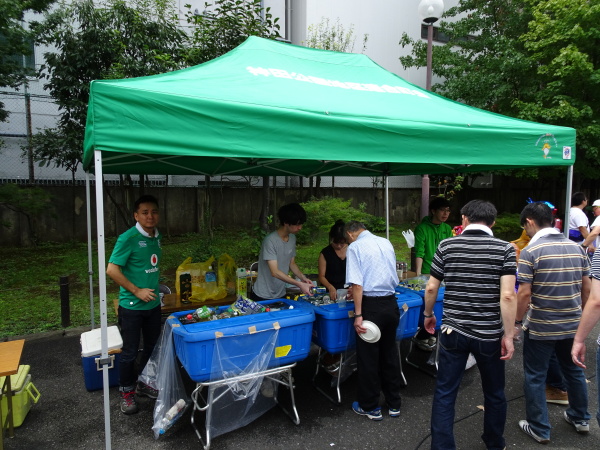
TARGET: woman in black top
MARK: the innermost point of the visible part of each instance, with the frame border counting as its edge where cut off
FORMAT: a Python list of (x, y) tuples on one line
[(332, 261)]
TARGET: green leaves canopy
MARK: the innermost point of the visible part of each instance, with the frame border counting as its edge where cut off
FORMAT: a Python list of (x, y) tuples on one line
[(531, 59)]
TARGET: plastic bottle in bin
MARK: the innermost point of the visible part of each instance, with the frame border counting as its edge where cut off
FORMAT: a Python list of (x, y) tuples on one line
[(203, 313), (172, 415)]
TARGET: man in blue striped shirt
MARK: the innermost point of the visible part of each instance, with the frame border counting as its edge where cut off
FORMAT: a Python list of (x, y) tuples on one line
[(553, 283), (371, 272), (479, 314)]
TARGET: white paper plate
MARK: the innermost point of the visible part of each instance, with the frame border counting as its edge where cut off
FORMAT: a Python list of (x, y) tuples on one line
[(373, 332)]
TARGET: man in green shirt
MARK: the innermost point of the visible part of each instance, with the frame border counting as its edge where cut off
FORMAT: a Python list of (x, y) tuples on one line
[(134, 266), (428, 235)]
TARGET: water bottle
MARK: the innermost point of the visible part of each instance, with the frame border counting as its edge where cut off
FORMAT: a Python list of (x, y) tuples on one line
[(211, 280), (341, 297), (171, 415)]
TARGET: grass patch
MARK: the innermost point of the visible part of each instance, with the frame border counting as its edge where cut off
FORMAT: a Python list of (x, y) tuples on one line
[(29, 277)]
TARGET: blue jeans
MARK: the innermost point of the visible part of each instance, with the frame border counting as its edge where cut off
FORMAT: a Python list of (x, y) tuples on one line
[(453, 353), (133, 323), (555, 377), (536, 360)]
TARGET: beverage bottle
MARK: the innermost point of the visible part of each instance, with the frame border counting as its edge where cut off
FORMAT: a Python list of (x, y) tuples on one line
[(169, 419), (242, 282), (210, 279)]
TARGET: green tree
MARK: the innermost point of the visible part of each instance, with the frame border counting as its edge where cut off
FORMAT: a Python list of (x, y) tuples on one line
[(14, 43), (28, 201), (99, 40), (530, 59), (225, 24), (563, 41), (332, 36)]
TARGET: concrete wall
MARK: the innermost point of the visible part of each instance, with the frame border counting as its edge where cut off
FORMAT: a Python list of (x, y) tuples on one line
[(183, 210)]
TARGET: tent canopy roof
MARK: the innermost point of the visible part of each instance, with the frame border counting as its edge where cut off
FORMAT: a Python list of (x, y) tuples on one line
[(270, 108)]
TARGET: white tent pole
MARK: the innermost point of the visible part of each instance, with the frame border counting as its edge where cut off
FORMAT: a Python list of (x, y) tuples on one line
[(89, 239), (569, 191), (387, 208), (102, 293)]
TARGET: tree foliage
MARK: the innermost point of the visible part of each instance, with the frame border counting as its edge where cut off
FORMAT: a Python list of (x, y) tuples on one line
[(332, 36), (99, 40), (14, 40), (225, 24), (530, 59)]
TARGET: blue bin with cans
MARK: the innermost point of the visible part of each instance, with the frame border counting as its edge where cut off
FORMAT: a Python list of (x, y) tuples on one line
[(242, 338), (438, 309), (411, 307), (333, 329)]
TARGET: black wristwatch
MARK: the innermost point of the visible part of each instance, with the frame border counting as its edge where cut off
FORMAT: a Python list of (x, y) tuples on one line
[(518, 322), (428, 316), (357, 315)]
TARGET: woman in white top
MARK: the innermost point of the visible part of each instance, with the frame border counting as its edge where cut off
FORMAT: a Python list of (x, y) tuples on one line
[(579, 225)]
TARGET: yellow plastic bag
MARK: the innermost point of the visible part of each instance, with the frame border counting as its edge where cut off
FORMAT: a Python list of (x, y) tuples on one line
[(226, 273), (201, 291)]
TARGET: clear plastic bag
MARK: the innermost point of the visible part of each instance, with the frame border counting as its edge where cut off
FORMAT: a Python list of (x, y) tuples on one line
[(242, 398), (161, 372)]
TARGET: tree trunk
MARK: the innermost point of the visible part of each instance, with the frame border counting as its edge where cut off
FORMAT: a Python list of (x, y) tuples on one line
[(264, 213)]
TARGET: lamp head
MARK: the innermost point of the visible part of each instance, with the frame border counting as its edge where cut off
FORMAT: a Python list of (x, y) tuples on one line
[(431, 10)]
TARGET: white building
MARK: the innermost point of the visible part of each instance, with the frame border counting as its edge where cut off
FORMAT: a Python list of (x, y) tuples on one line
[(382, 21)]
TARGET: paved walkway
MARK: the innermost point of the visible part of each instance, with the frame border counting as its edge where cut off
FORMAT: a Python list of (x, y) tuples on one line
[(69, 417)]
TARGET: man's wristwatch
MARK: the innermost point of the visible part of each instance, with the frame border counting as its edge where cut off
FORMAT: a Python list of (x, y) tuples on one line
[(518, 322), (584, 246), (428, 316), (357, 315)]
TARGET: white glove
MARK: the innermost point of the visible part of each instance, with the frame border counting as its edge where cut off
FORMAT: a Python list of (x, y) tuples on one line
[(410, 238)]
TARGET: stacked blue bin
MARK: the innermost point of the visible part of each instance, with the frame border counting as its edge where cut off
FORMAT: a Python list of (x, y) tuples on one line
[(438, 309), (195, 343), (333, 329)]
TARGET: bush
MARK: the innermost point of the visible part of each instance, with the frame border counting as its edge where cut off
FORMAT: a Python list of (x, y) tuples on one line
[(323, 212), (508, 226)]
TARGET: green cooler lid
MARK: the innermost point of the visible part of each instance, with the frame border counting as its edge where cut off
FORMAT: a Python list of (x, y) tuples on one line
[(18, 379)]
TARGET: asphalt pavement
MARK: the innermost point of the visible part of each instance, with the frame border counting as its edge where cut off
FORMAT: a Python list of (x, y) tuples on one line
[(67, 416)]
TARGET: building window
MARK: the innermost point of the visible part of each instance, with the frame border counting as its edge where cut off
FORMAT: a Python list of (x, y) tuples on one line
[(27, 61)]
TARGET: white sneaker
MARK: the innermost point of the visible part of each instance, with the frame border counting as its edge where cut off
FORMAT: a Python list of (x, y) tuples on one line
[(524, 425), (581, 426)]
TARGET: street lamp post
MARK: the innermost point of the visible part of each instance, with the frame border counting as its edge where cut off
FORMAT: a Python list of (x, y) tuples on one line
[(430, 12)]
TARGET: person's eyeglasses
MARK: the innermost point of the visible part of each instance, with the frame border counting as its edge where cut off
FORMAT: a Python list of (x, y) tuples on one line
[(444, 210)]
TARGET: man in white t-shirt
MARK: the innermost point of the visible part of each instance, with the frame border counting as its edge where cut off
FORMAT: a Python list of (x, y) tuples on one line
[(578, 220)]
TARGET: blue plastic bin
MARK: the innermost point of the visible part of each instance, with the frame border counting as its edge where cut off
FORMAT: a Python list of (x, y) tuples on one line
[(195, 343), (438, 309), (333, 329), (411, 307)]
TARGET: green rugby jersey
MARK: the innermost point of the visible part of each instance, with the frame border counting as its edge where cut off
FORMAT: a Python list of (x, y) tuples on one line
[(139, 256)]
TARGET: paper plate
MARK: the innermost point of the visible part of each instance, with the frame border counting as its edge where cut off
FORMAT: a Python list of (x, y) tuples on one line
[(373, 332)]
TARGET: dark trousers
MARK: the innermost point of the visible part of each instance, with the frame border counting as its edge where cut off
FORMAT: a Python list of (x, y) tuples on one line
[(379, 363), (134, 323), (453, 353)]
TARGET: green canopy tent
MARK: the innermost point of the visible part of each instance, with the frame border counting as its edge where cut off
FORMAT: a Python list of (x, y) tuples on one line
[(270, 108)]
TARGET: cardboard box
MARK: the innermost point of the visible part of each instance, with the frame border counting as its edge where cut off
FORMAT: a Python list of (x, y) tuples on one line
[(25, 394), (91, 347), (241, 340)]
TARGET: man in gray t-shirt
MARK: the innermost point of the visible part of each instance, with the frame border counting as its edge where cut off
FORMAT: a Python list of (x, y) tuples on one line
[(277, 257)]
